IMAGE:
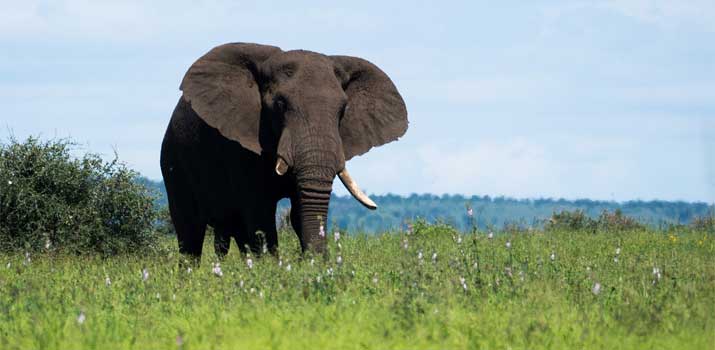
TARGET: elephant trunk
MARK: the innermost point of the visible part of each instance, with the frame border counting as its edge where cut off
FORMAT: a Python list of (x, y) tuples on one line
[(314, 174), (314, 197), (314, 216)]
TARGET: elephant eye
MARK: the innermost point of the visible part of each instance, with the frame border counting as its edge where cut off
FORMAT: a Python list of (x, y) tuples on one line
[(288, 70), (280, 103)]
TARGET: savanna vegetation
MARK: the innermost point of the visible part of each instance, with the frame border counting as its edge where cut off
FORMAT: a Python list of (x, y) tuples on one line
[(434, 287), (88, 262)]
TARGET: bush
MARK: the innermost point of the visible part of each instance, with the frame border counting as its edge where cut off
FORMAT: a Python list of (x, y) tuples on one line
[(571, 221), (163, 224), (703, 223), (51, 200), (616, 221), (578, 220)]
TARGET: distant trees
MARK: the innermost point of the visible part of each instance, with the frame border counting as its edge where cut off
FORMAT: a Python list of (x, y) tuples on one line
[(495, 213)]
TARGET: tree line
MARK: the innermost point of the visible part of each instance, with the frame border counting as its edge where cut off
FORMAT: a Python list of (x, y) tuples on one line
[(396, 211)]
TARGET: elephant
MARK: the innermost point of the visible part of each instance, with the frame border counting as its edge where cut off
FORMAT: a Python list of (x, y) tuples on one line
[(256, 124)]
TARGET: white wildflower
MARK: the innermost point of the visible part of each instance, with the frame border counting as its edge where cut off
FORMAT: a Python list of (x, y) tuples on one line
[(552, 256), (158, 296), (312, 261), (217, 270), (145, 275), (249, 263), (508, 244), (188, 269), (618, 250), (459, 239), (463, 282), (336, 236), (419, 255), (318, 279), (107, 281), (329, 271), (521, 276), (48, 243), (434, 257), (9, 182), (490, 235), (81, 317), (352, 273), (405, 244), (8, 265), (656, 274), (339, 260), (615, 259), (173, 297), (280, 262), (260, 294), (288, 268), (240, 284), (470, 212), (596, 289), (321, 232), (27, 259), (374, 279), (252, 290)]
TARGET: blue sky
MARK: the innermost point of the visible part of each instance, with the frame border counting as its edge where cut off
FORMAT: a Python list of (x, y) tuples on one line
[(574, 99)]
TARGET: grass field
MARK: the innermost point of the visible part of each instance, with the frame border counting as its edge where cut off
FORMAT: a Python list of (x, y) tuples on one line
[(434, 288)]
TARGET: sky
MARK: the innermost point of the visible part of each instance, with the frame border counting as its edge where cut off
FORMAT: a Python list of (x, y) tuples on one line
[(610, 100)]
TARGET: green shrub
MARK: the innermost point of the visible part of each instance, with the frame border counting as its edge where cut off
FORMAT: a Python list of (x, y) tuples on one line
[(703, 223), (50, 200), (578, 220), (164, 225), (616, 221), (571, 221)]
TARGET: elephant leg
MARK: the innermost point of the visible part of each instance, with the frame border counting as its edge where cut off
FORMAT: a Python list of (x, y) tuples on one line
[(295, 221), (260, 230), (190, 229), (268, 226), (242, 242), (222, 242), (190, 235)]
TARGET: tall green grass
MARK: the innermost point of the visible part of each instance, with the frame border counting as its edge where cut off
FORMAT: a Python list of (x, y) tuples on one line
[(546, 290)]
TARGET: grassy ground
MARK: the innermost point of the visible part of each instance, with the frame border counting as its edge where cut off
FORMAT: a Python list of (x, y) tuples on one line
[(547, 290)]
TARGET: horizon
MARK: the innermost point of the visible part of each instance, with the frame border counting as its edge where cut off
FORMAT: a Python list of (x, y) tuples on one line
[(606, 101), (508, 198)]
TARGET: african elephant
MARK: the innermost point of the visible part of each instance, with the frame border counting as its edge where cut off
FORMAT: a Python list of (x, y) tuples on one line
[(256, 124)]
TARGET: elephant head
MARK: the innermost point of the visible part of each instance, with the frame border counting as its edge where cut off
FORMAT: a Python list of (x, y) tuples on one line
[(308, 112)]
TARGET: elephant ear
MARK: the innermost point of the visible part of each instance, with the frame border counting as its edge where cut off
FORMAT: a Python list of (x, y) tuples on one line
[(375, 113), (222, 88)]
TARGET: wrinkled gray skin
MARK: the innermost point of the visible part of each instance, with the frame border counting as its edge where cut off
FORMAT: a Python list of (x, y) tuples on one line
[(243, 107)]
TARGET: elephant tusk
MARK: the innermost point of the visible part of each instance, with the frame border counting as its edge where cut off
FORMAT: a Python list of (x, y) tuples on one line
[(355, 190), (281, 166)]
